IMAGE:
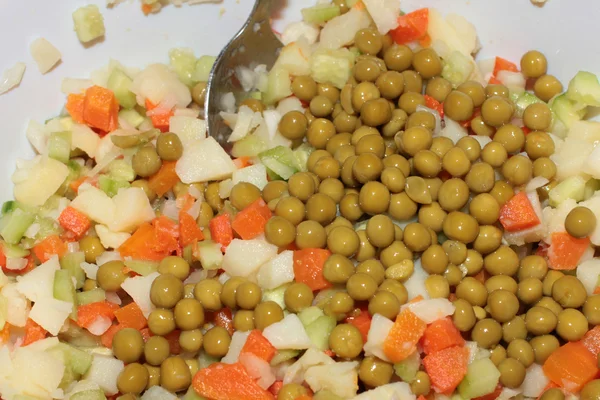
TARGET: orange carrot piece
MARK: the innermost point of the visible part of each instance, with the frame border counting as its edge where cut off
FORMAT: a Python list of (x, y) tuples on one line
[(402, 339), (33, 332), (166, 235), (146, 334), (221, 230), (189, 231), (224, 319), (440, 335), (139, 245), (87, 313), (173, 339), (275, 388), (250, 222), (565, 251), (5, 333), (242, 162), (494, 81), (228, 381), (518, 213), (160, 121), (164, 180), (421, 397), (446, 368), (308, 267), (146, 9), (107, 337), (432, 103), (362, 322), (502, 64), (131, 316), (101, 109), (51, 245), (591, 340), (258, 345), (411, 26), (74, 107), (74, 221), (571, 366)]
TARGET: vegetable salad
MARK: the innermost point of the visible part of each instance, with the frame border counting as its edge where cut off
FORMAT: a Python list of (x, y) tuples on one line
[(395, 220)]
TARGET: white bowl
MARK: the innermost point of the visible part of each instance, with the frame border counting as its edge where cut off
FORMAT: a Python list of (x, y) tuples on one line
[(563, 30)]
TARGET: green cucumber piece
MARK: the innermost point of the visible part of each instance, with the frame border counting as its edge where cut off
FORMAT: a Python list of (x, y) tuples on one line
[(204, 360), (89, 23), (72, 263), (9, 206), (320, 13), (79, 337), (481, 379), (59, 146), (142, 267), (91, 296), (283, 355), (14, 251), (94, 394), (280, 160), (111, 186), (584, 88), (276, 295), (14, 225), (183, 62), (319, 330), (301, 153), (78, 360), (120, 84), (65, 290), (310, 315), (121, 170), (132, 117), (203, 67), (249, 146), (571, 188), (407, 369), (566, 110)]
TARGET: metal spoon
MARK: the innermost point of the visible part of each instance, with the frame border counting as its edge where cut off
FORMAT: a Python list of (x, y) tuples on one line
[(254, 44)]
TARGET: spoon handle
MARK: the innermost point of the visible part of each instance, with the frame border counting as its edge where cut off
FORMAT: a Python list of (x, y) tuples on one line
[(262, 10)]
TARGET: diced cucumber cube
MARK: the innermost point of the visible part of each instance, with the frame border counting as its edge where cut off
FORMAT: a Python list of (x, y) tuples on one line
[(91, 296), (571, 188), (132, 117), (250, 146), (121, 170), (566, 110), (481, 379), (111, 186), (280, 160), (89, 23), (320, 13), (78, 360), (64, 289), (310, 315), (94, 394), (142, 267), (183, 63), (278, 86), (120, 84), (319, 330), (584, 88), (14, 225), (275, 295), (72, 263), (14, 250), (203, 67), (407, 369), (59, 146), (301, 153), (283, 355), (204, 360)]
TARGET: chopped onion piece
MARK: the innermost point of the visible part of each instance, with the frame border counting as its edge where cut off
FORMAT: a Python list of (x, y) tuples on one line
[(44, 54), (535, 183), (12, 77), (100, 325)]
